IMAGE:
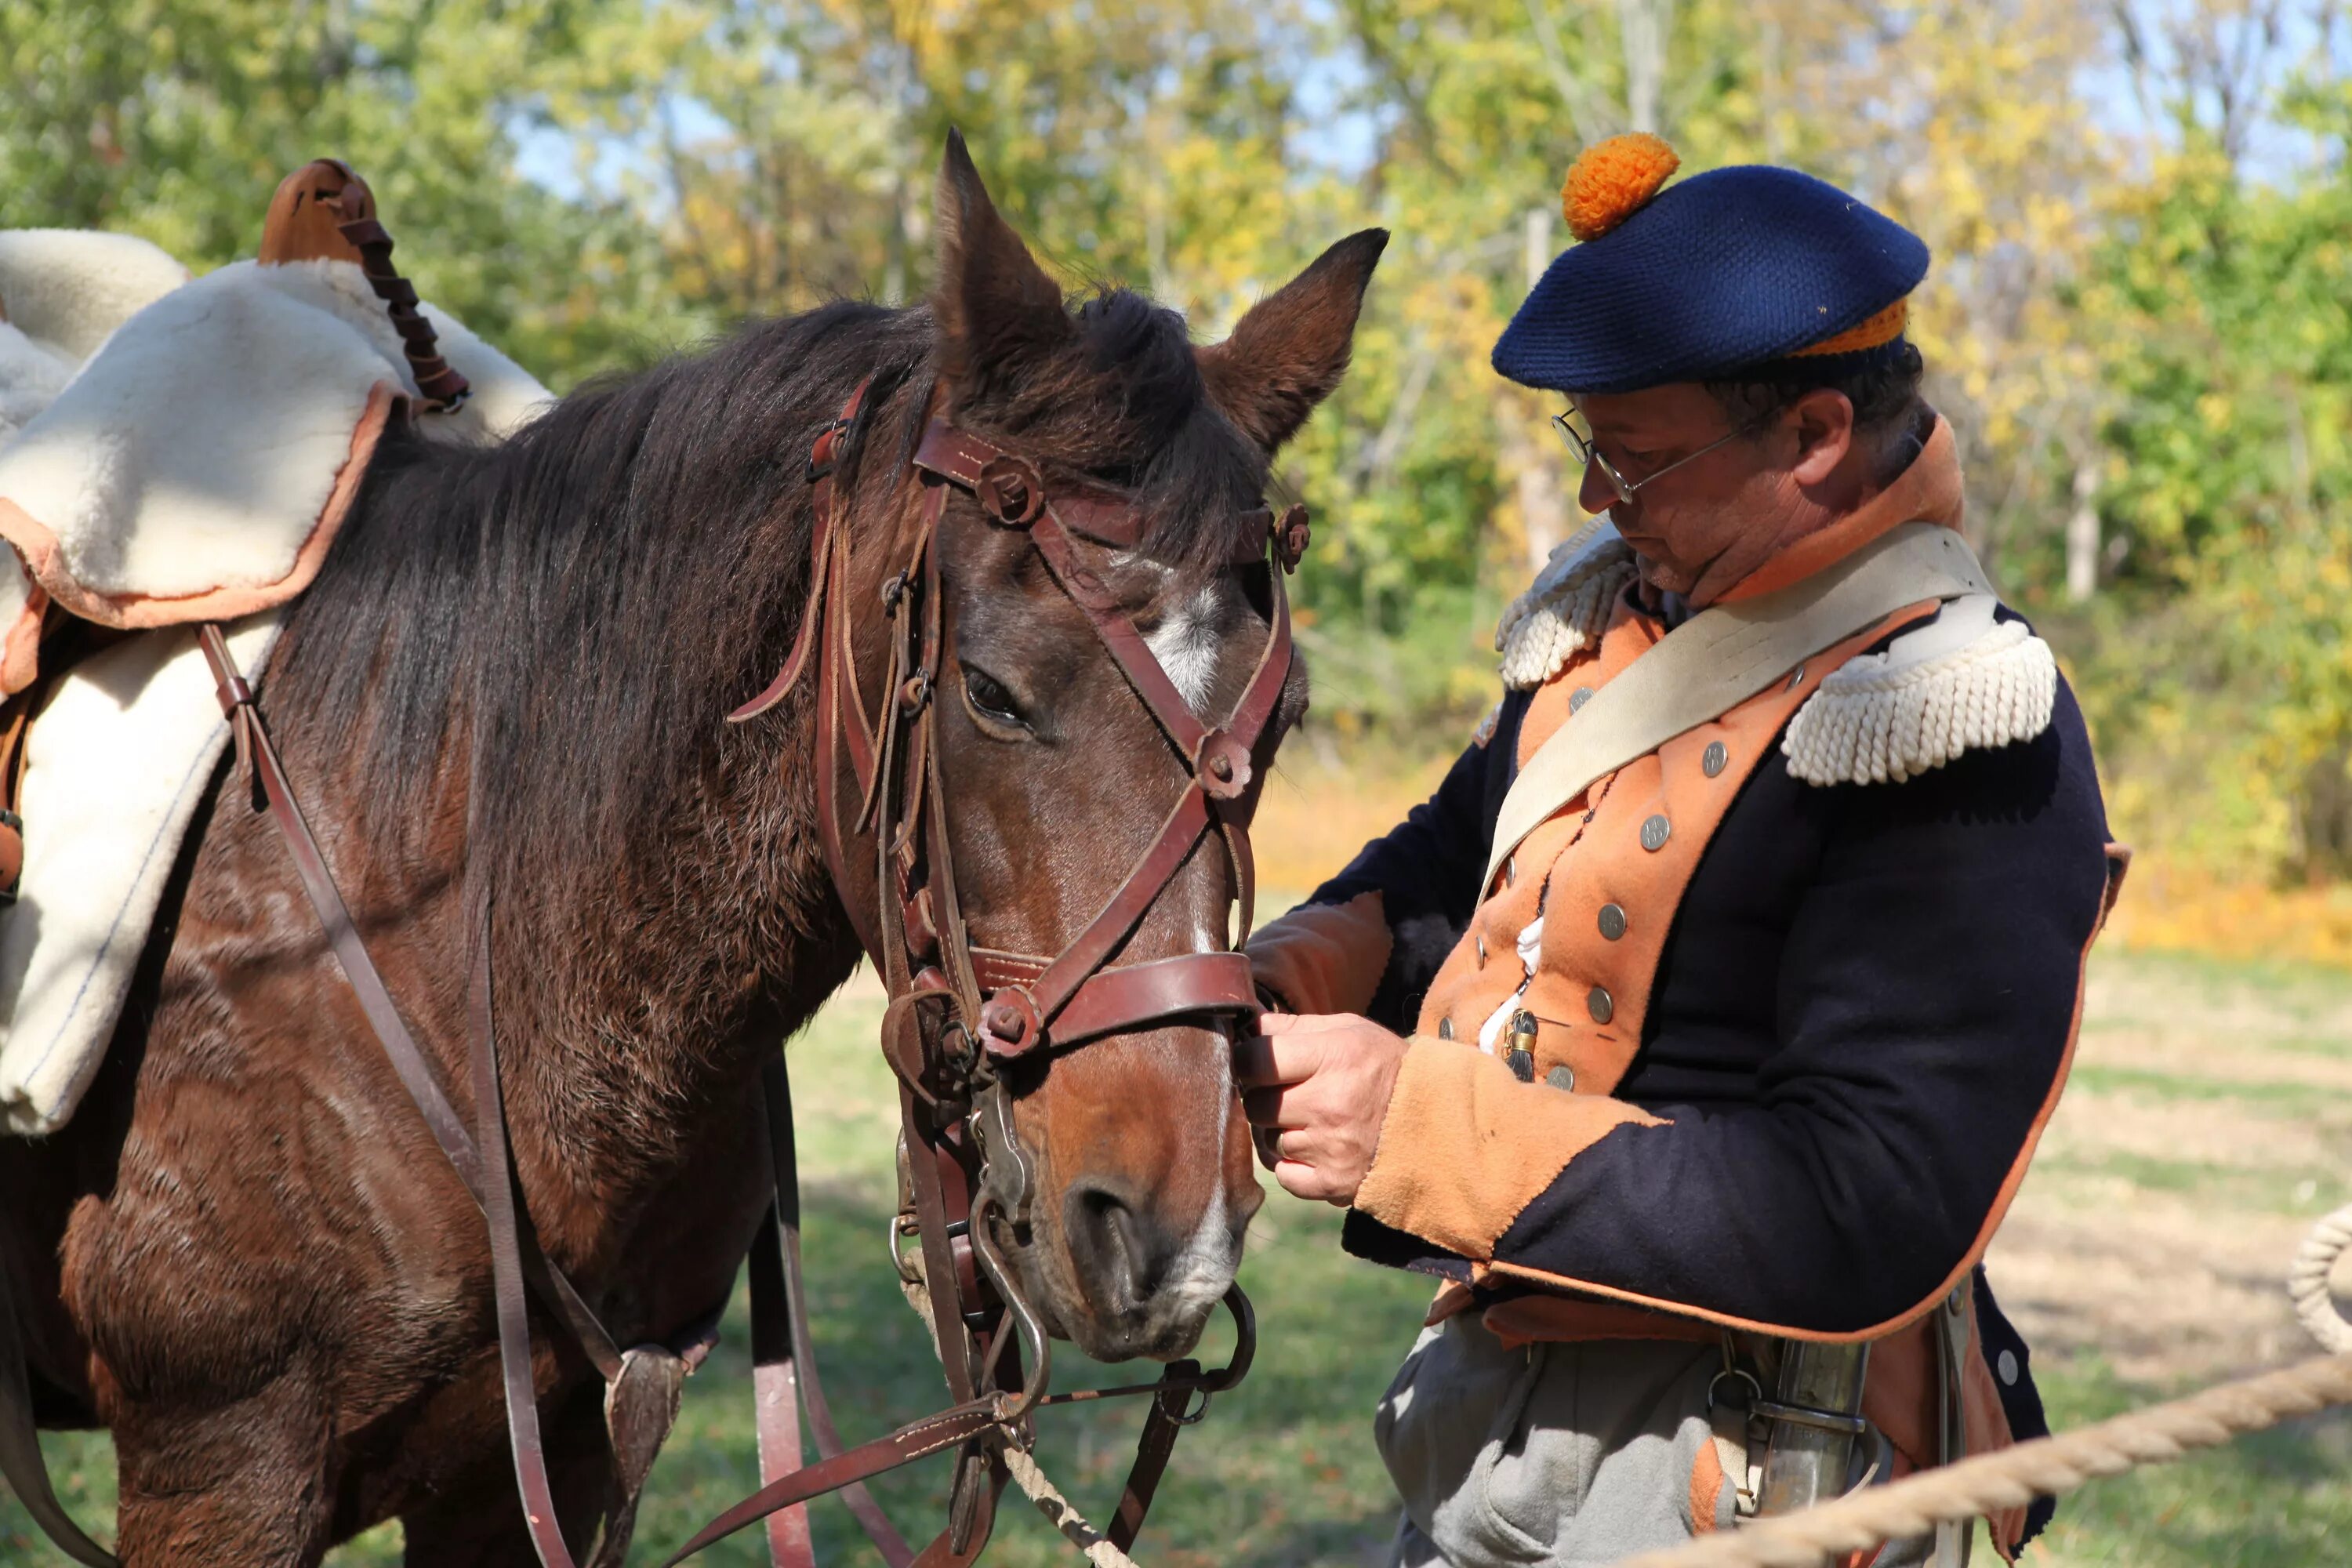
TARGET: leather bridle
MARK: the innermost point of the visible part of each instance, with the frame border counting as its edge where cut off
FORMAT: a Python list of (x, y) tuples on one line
[(956, 1009)]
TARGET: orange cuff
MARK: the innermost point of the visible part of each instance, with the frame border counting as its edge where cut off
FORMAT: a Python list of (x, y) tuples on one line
[(1324, 958), (1465, 1145)]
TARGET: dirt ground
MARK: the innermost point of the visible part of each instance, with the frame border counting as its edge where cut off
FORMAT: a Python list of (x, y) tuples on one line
[(2209, 1121)]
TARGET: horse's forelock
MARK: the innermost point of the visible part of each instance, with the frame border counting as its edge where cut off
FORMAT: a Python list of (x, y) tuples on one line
[(1125, 401)]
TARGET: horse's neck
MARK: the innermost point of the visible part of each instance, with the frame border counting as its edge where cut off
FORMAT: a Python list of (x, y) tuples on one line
[(638, 983)]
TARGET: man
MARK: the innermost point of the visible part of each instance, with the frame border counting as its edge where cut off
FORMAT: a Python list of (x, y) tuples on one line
[(1697, 1031)]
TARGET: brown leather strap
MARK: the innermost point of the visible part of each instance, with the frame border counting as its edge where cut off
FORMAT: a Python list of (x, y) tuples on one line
[(499, 1209), (776, 1397), (21, 1464), (443, 387), (781, 1334), (407, 1058), (916, 1440), (1137, 996)]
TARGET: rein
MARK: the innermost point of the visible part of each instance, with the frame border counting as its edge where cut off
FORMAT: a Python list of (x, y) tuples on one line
[(957, 1011)]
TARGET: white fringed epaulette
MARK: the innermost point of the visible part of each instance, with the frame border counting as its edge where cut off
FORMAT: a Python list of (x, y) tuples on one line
[(1567, 607), (1964, 682)]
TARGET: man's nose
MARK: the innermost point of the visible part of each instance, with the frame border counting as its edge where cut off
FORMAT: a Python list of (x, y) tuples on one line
[(1594, 493)]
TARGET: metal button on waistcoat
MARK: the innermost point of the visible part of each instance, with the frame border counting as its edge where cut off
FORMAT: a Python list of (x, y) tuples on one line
[(1655, 832), (1599, 1005), (1578, 698), (1612, 921), (1715, 759), (1445, 1028), (1561, 1077), (2007, 1366)]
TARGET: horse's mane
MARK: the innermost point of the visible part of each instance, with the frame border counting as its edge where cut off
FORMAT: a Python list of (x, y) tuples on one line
[(581, 601)]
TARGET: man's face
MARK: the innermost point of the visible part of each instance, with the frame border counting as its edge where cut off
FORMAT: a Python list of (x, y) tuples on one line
[(1709, 523)]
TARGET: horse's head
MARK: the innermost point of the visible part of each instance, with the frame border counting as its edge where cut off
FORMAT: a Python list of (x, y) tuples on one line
[(1056, 776)]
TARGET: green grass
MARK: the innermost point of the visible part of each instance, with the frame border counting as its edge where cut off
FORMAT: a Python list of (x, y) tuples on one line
[(1283, 1471), (2280, 1498)]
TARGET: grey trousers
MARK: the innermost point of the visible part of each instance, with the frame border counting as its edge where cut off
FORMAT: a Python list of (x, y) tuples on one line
[(1552, 1456)]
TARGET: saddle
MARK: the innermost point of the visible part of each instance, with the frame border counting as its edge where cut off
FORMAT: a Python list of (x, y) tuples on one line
[(173, 451)]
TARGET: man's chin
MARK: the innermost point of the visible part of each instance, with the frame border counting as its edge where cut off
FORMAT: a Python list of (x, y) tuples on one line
[(1660, 577)]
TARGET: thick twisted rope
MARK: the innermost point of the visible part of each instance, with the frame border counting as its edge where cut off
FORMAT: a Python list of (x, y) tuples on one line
[(1058, 1511), (2048, 1466), (2306, 1280)]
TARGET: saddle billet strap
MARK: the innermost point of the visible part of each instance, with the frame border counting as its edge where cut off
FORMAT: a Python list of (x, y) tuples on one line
[(407, 1058), (21, 1464), (499, 1209)]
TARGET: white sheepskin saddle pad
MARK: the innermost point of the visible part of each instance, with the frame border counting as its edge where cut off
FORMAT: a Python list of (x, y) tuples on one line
[(172, 451)]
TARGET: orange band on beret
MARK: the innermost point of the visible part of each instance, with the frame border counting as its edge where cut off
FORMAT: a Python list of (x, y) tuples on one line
[(1883, 327)]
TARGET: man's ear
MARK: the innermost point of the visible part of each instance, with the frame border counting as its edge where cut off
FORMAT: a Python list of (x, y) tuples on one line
[(1286, 355), (995, 306), (1824, 425)]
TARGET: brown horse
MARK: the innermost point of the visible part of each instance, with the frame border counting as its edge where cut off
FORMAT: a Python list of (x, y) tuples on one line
[(248, 1257)]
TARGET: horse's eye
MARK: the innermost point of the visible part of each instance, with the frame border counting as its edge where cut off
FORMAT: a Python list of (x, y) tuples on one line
[(989, 700)]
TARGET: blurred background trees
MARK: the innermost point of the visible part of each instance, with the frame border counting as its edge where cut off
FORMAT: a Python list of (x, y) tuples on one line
[(2138, 318)]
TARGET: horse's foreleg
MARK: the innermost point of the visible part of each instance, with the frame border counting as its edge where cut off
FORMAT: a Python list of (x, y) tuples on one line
[(243, 1484), (478, 1523)]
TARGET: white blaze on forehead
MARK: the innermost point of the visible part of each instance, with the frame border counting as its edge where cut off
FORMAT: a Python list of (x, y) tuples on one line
[(1185, 643)]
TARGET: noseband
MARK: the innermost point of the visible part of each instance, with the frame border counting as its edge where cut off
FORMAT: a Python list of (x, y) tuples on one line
[(958, 1010)]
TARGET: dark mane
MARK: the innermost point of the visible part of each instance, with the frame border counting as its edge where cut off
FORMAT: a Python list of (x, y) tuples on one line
[(579, 603)]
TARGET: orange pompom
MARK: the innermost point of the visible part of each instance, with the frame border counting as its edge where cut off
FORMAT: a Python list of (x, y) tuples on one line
[(1611, 180)]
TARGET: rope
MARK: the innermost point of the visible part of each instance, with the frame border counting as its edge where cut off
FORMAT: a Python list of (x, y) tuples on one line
[(2306, 1280), (1058, 1511), (2048, 1466)]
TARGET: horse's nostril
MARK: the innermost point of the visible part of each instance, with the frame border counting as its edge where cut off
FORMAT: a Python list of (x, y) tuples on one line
[(1122, 1256)]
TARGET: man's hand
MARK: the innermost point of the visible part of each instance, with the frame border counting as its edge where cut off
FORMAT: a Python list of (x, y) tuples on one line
[(1319, 1088)]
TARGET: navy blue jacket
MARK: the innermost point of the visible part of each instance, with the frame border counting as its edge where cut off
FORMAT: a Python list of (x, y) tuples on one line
[(1865, 999)]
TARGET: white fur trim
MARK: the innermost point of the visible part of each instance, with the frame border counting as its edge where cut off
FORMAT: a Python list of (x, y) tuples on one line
[(1966, 682), (69, 287), (115, 769), (32, 373), (197, 451), (193, 452), (1567, 607)]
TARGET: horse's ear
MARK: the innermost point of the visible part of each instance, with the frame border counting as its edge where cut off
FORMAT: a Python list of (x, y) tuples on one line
[(1289, 350), (995, 306)]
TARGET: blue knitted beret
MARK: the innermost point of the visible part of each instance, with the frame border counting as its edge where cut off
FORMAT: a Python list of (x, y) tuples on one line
[(1721, 272)]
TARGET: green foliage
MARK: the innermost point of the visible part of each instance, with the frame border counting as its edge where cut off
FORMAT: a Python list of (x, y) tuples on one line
[(2138, 295)]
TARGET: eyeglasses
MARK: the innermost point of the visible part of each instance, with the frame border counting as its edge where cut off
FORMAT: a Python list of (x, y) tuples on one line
[(1581, 446)]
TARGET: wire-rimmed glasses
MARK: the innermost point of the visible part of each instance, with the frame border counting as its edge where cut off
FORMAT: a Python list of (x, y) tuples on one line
[(1581, 446)]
